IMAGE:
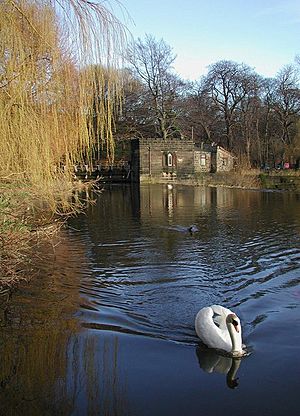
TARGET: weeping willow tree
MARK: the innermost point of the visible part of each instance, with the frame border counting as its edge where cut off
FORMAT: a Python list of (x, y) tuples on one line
[(59, 91), (47, 89)]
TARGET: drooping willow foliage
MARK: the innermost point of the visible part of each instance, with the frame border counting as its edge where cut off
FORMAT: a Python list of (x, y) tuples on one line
[(59, 88)]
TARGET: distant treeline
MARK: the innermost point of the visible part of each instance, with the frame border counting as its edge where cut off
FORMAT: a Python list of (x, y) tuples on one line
[(258, 119)]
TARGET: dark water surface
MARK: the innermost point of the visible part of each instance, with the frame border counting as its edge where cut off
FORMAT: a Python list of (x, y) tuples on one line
[(108, 326)]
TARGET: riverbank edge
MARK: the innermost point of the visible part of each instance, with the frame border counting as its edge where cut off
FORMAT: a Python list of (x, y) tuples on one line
[(252, 180)]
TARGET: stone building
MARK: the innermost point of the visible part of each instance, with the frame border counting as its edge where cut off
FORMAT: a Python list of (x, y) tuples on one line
[(222, 160), (163, 158), (176, 158)]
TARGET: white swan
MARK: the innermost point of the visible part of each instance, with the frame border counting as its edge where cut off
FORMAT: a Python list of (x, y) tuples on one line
[(220, 328)]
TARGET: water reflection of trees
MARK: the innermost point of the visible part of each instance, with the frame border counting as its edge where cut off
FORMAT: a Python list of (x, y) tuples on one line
[(221, 214), (162, 202), (216, 211), (33, 365), (36, 327), (51, 373), (49, 364)]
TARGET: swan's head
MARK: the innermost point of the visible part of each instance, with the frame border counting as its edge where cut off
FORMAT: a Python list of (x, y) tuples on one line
[(232, 319)]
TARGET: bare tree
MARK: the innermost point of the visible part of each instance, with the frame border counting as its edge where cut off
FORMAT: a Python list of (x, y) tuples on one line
[(249, 117), (151, 61), (135, 119), (229, 83), (202, 113), (285, 102)]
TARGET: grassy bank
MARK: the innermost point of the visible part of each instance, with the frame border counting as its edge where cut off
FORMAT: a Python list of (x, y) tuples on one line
[(288, 180), (243, 179)]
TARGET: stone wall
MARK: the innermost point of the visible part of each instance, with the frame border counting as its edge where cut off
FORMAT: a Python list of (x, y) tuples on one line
[(166, 158), (202, 161), (222, 160)]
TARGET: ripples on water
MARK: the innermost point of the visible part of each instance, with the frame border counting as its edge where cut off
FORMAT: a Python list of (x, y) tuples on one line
[(107, 328), (148, 275)]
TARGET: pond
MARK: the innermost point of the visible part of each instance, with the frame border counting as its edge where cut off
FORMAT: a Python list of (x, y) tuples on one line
[(107, 328)]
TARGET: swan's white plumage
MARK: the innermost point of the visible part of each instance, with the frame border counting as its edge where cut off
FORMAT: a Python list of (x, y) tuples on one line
[(211, 328)]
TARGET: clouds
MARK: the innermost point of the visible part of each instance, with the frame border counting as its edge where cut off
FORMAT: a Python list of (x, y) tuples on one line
[(288, 11)]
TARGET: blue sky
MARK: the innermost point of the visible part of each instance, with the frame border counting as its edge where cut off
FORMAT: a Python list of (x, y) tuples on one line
[(264, 34)]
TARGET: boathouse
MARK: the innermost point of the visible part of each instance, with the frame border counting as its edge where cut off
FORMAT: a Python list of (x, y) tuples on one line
[(177, 158)]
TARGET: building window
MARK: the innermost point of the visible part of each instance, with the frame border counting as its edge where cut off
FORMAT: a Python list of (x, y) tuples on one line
[(202, 159), (169, 159), (224, 161)]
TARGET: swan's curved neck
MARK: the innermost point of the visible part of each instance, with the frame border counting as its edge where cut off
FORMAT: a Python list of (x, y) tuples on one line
[(236, 340)]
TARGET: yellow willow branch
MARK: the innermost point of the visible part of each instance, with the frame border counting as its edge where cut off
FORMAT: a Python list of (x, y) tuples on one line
[(29, 22)]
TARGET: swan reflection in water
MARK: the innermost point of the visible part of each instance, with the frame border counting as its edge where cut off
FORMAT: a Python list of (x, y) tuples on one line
[(212, 362)]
